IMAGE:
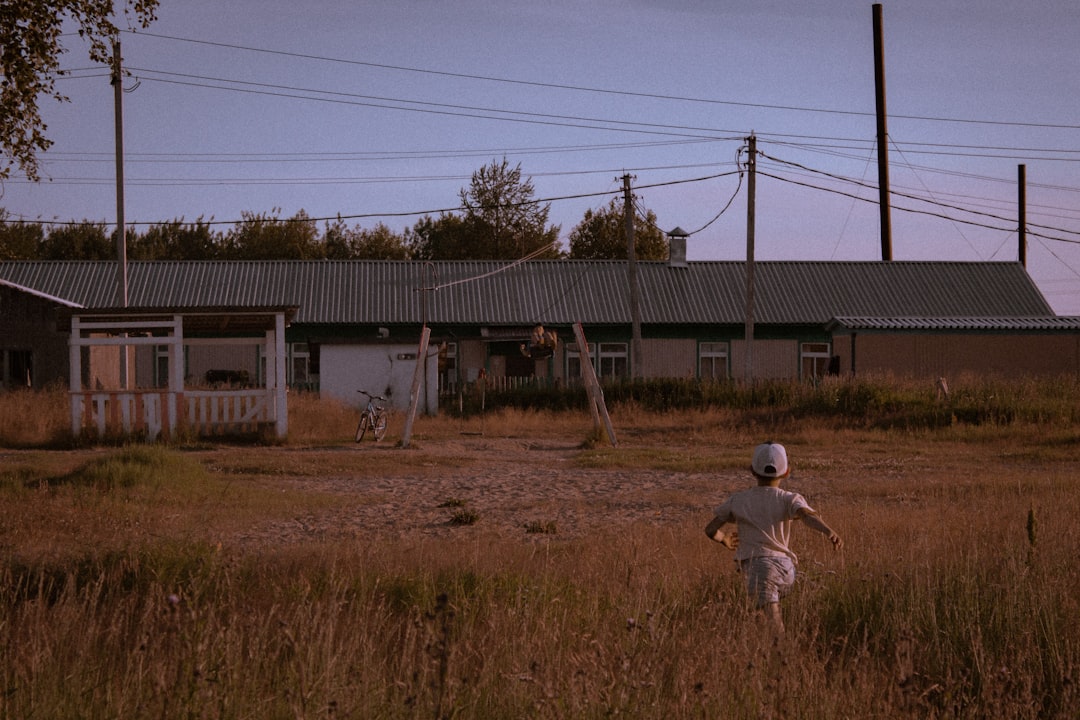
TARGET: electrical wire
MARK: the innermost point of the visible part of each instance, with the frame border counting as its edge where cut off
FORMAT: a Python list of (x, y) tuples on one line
[(606, 91), (924, 212)]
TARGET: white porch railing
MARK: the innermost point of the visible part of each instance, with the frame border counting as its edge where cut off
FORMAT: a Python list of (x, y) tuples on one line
[(204, 412), (211, 412)]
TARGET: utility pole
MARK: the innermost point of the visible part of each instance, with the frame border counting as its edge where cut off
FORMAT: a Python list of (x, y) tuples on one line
[(631, 268), (751, 191), (121, 238), (1021, 182), (882, 137)]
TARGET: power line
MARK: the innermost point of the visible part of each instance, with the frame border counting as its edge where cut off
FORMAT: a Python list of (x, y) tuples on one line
[(606, 91), (915, 197), (361, 155), (434, 108), (409, 213), (925, 212)]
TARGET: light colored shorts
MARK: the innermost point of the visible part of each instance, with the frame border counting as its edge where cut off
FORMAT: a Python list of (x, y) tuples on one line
[(768, 578)]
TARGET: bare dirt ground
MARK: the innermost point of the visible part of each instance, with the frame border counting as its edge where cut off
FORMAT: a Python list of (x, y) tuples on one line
[(510, 488)]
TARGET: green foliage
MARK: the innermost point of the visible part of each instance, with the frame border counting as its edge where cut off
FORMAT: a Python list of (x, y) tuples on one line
[(83, 241), (19, 240), (881, 403), (176, 240), (500, 220), (601, 235), (148, 466), (268, 237), (379, 243), (503, 219), (30, 39)]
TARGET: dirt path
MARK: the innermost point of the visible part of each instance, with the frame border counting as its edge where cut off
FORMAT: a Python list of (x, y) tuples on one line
[(508, 487)]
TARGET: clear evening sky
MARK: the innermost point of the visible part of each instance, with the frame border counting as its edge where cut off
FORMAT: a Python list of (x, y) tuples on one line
[(380, 111)]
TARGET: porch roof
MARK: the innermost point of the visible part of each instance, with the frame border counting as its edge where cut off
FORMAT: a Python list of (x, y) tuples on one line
[(198, 321)]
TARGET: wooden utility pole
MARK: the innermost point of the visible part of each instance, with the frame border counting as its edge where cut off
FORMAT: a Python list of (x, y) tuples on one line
[(751, 192), (1021, 181), (631, 269), (882, 137), (121, 237)]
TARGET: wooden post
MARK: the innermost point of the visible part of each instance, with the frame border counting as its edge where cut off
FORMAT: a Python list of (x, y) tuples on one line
[(78, 400), (414, 391), (592, 385), (281, 389)]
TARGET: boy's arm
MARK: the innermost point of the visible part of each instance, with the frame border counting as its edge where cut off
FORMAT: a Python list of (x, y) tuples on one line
[(717, 535), (811, 518)]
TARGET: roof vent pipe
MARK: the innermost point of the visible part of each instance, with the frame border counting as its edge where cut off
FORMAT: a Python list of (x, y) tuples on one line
[(677, 247)]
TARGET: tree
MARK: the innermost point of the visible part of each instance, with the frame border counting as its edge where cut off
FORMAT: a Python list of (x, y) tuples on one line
[(601, 235), (379, 243), (19, 240), (30, 53), (442, 238), (268, 237), (176, 240), (503, 221), (82, 241)]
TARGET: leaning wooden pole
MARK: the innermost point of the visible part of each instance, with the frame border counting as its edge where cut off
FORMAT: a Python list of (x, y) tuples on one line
[(414, 392), (592, 385)]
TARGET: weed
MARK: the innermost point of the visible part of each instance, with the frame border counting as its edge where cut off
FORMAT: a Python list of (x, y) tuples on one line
[(464, 517)]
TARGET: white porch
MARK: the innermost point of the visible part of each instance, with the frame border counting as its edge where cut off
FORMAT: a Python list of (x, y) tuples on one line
[(168, 411)]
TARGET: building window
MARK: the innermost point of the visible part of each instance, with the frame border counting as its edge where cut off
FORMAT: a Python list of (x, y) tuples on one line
[(16, 368), (299, 365), (573, 360), (161, 365), (814, 360), (448, 368), (613, 360), (713, 361)]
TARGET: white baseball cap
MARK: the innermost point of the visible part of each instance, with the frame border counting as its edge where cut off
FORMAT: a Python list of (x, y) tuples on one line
[(770, 460)]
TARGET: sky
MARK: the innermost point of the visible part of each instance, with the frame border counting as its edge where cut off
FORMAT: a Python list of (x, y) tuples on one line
[(379, 112)]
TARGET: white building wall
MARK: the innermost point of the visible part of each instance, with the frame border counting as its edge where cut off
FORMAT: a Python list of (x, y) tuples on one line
[(385, 370)]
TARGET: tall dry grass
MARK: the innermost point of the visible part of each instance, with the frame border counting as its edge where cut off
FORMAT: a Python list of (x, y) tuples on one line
[(956, 596), (35, 418)]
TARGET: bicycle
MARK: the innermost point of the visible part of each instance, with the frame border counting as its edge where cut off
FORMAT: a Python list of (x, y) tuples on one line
[(372, 417)]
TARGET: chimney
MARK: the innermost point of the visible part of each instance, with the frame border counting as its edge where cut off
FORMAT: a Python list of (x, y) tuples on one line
[(677, 247)]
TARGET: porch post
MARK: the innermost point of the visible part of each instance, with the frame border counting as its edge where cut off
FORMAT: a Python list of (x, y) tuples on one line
[(176, 375), (75, 382), (281, 408)]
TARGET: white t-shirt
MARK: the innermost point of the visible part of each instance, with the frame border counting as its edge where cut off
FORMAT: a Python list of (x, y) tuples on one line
[(763, 515)]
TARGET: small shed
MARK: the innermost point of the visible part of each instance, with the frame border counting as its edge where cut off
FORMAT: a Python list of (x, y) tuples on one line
[(923, 346)]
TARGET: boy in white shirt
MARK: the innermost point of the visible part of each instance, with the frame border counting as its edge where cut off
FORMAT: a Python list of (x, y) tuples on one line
[(763, 516)]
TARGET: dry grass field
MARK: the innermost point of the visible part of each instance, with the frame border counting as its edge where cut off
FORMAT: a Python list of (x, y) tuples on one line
[(514, 565)]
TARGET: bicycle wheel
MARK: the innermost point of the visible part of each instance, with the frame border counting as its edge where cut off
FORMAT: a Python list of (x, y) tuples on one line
[(361, 429), (380, 426)]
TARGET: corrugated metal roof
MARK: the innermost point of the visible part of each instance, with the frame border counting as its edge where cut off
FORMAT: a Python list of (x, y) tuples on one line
[(961, 324), (36, 293), (554, 291)]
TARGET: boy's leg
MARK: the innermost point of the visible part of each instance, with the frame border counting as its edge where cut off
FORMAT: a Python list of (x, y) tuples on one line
[(772, 612), (767, 580)]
